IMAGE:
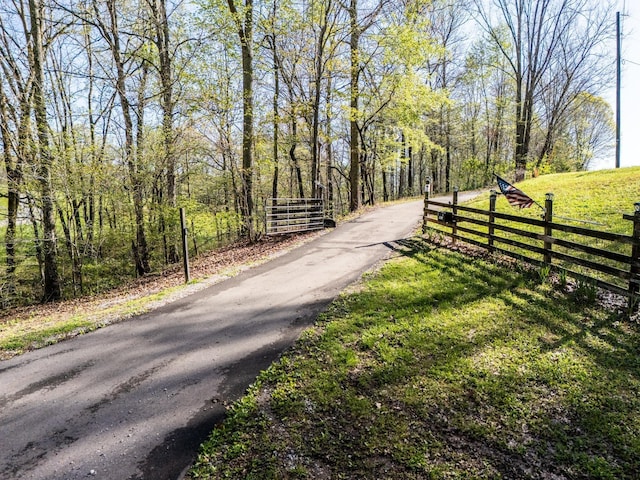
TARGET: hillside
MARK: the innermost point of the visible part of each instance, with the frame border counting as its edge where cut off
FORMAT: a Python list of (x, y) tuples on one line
[(600, 196)]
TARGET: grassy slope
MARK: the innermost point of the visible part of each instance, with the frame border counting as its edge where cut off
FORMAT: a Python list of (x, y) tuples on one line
[(600, 196), (443, 366)]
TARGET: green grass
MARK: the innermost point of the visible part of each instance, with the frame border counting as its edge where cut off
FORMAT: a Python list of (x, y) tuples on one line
[(600, 196), (28, 331), (26, 340), (593, 200), (443, 367)]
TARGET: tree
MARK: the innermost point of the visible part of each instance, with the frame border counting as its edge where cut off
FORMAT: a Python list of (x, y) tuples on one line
[(52, 289), (357, 26), (244, 25), (539, 33), (484, 94), (324, 29), (272, 41), (580, 68), (354, 97), (110, 32), (446, 21), (587, 133), (162, 42), (15, 131)]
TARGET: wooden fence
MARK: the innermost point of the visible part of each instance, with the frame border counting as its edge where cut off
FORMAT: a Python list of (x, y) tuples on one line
[(290, 215), (575, 250)]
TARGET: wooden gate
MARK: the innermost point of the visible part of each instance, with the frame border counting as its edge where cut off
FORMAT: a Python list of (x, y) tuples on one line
[(290, 215)]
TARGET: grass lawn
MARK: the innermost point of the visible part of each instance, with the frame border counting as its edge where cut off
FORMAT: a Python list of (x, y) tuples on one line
[(593, 200), (443, 366), (600, 196)]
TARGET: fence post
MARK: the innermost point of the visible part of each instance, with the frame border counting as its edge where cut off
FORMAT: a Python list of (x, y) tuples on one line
[(548, 218), (427, 187), (492, 218), (454, 210), (185, 246), (635, 259)]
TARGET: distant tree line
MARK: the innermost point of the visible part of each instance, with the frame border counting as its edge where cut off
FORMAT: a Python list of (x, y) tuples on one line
[(115, 113)]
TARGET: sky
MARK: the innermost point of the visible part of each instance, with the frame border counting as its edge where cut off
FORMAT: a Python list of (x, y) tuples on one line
[(630, 91)]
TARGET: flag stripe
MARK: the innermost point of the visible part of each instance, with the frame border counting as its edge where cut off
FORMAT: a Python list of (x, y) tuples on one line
[(516, 198)]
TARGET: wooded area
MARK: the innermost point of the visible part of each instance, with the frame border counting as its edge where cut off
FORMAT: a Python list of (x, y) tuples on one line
[(116, 113)]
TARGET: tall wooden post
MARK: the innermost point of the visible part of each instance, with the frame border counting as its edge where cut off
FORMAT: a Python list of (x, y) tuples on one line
[(427, 188), (548, 230), (454, 210), (185, 246), (618, 84), (492, 219), (635, 260)]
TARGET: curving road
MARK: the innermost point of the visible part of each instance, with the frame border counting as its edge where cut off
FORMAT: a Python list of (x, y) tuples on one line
[(134, 400)]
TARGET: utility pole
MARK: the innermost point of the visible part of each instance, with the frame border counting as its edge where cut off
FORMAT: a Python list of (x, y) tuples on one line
[(618, 81)]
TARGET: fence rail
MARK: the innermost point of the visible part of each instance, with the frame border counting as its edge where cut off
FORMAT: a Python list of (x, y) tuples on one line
[(556, 245), (291, 215)]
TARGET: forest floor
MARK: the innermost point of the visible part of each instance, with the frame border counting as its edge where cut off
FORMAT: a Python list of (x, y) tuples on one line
[(27, 328)]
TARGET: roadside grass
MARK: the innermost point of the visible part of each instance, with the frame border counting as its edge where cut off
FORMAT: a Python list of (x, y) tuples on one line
[(443, 366), (30, 330)]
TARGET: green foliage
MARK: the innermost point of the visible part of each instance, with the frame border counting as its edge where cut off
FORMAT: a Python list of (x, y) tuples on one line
[(562, 278), (442, 366), (544, 272), (413, 118), (45, 336), (586, 291)]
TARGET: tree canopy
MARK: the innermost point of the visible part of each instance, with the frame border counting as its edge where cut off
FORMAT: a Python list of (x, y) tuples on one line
[(114, 114)]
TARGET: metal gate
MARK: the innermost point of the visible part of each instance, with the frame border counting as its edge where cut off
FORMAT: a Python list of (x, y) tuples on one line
[(290, 215)]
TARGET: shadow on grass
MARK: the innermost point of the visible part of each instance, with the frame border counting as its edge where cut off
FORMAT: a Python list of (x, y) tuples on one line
[(449, 366), (530, 417), (587, 360)]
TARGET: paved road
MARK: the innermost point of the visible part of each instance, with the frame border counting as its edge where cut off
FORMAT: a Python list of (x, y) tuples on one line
[(134, 400)]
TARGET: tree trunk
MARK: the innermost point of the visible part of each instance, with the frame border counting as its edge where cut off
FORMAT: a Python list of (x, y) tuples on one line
[(329, 207), (245, 33), (402, 180), (315, 129), (298, 171), (51, 281), (13, 167), (276, 115), (140, 248), (523, 136), (162, 42), (410, 173), (37, 240), (354, 145), (385, 191)]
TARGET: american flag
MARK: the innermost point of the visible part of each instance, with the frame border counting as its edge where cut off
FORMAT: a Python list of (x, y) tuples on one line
[(516, 197)]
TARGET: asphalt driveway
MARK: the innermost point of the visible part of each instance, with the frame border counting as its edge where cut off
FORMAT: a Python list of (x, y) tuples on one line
[(134, 400)]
